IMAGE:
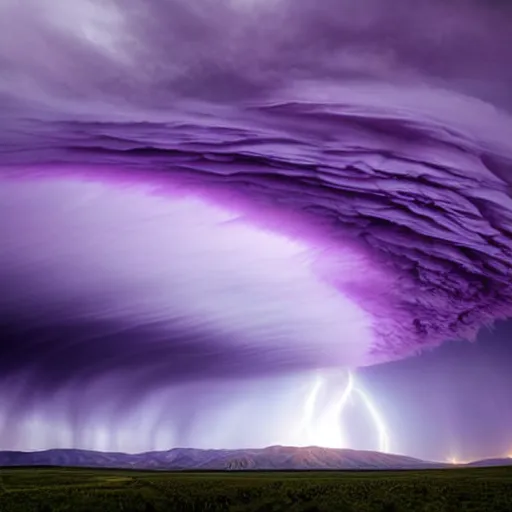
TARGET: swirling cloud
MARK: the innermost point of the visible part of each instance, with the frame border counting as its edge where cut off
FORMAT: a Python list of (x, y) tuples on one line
[(233, 189)]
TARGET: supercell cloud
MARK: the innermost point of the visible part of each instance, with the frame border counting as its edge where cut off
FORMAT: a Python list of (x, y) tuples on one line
[(225, 189)]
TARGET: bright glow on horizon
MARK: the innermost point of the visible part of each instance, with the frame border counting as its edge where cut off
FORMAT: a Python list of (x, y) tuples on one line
[(456, 461), (326, 427)]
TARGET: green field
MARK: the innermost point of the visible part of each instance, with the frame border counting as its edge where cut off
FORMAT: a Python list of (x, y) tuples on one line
[(77, 490)]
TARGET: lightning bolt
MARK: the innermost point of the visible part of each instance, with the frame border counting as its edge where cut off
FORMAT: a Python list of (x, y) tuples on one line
[(325, 427), (378, 421)]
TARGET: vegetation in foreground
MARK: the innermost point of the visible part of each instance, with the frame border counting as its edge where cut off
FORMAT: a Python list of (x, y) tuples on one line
[(81, 490)]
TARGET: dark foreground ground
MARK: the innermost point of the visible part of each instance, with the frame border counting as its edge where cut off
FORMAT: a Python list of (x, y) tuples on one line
[(77, 490)]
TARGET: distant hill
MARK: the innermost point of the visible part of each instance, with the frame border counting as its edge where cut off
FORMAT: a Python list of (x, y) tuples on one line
[(271, 458), (491, 462)]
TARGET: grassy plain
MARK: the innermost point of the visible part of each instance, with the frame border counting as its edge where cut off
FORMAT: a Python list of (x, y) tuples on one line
[(105, 490)]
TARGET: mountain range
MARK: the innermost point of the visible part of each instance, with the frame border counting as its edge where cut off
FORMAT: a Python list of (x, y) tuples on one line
[(271, 458)]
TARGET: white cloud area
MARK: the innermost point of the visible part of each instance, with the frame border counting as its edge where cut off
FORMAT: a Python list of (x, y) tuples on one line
[(99, 23), (149, 258)]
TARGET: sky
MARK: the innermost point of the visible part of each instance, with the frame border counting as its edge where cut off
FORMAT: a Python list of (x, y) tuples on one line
[(452, 403), (232, 223)]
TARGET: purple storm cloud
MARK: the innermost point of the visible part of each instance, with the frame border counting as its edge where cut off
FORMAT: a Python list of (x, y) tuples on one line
[(208, 190)]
